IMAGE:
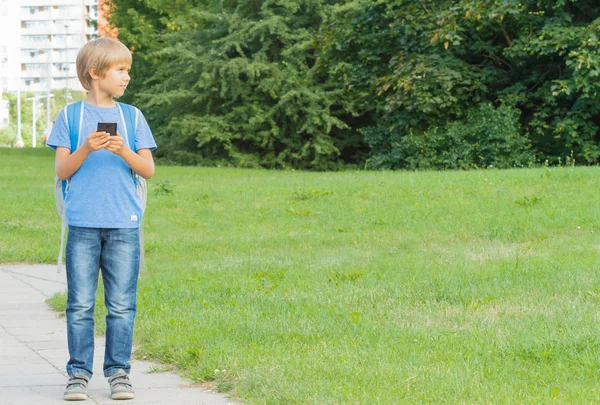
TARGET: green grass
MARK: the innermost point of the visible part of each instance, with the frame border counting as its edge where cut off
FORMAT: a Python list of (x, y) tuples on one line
[(356, 287)]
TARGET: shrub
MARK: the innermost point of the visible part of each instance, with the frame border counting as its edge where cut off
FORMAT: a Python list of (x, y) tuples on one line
[(488, 137)]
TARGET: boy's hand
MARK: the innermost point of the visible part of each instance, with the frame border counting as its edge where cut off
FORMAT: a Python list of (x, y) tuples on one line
[(116, 144), (96, 141)]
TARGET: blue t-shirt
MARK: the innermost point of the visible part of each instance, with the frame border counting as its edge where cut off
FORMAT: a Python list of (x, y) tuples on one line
[(102, 192)]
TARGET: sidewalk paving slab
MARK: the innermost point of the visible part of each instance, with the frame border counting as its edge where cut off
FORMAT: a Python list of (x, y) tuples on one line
[(33, 351)]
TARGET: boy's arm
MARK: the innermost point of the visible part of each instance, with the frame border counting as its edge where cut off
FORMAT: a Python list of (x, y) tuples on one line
[(68, 163), (140, 162)]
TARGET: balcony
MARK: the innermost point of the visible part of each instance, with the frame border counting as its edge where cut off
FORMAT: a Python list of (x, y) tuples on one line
[(45, 3), (72, 13), (26, 15), (37, 30), (65, 13), (40, 75), (59, 83), (34, 44), (57, 72), (27, 57), (61, 43), (47, 57), (63, 56), (33, 73), (75, 42), (31, 85)]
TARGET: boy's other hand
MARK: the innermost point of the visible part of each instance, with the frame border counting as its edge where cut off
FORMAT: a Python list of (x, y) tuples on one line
[(116, 144), (96, 141)]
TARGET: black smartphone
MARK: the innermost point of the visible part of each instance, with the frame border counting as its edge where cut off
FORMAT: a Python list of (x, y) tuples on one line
[(108, 127)]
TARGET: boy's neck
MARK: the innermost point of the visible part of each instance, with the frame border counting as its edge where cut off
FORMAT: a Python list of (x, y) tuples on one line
[(100, 100)]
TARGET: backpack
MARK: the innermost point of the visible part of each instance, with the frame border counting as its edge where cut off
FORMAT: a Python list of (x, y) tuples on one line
[(74, 118)]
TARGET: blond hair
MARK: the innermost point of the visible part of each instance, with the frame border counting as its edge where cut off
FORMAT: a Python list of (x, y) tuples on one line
[(100, 54)]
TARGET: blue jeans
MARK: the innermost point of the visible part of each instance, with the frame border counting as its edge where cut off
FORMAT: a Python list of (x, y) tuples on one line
[(117, 253)]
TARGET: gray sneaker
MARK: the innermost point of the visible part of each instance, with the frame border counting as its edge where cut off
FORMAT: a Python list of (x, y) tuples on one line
[(120, 386), (76, 388)]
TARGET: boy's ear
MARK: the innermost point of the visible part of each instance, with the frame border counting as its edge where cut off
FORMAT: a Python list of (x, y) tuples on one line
[(92, 73)]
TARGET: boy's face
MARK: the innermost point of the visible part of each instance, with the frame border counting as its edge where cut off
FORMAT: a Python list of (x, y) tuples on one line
[(115, 79)]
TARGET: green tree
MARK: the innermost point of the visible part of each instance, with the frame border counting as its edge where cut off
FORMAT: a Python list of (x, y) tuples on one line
[(409, 66), (233, 82), (319, 83)]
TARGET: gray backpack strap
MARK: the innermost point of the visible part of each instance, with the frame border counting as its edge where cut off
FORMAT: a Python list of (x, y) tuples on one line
[(125, 133), (58, 189), (63, 216), (80, 124), (141, 187), (141, 247), (63, 229), (66, 119)]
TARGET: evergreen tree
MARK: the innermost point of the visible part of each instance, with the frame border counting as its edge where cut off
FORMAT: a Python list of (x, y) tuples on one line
[(319, 83), (410, 67), (233, 82)]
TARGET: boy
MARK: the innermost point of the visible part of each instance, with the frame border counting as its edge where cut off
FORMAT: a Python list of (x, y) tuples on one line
[(104, 214)]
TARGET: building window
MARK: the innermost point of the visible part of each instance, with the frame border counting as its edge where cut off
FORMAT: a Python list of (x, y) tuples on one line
[(62, 66), (32, 66)]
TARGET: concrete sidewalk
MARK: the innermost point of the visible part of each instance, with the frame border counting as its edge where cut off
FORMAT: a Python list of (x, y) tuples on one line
[(33, 351)]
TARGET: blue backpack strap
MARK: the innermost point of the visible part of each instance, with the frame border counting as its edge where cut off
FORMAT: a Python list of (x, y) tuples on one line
[(129, 114), (73, 114), (63, 184)]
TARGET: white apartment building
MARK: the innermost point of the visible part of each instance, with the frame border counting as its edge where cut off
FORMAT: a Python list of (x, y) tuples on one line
[(39, 40), (51, 33), (9, 53)]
